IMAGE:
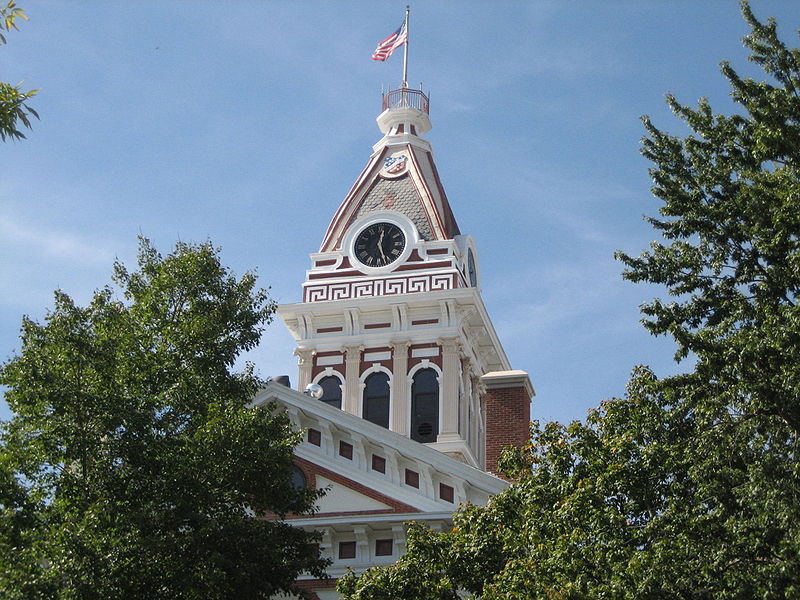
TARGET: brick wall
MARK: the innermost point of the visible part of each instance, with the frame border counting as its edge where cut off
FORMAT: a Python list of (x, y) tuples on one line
[(508, 402)]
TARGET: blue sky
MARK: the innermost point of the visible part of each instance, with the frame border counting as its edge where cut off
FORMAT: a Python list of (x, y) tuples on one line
[(247, 122)]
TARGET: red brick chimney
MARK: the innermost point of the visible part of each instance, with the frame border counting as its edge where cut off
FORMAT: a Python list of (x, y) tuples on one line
[(508, 406)]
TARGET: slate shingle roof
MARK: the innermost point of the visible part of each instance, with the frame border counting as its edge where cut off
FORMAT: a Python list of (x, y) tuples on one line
[(400, 195)]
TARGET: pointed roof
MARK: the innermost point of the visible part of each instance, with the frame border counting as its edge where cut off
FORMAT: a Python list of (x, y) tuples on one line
[(400, 175)]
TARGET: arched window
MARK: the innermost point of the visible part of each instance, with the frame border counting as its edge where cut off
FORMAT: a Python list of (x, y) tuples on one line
[(298, 478), (425, 406), (331, 391), (376, 399)]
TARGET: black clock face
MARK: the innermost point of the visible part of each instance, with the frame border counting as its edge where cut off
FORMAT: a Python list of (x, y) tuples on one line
[(473, 276), (380, 244)]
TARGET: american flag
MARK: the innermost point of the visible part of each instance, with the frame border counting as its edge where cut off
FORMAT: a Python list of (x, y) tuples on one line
[(391, 43)]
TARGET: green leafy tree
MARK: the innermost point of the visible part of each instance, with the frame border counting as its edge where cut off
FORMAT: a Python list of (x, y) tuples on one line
[(689, 486), (133, 466), (14, 110)]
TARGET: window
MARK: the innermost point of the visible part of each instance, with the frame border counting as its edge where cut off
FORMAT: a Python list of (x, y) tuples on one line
[(346, 450), (331, 391), (376, 399), (315, 437), (347, 549), (412, 478), (383, 547), (425, 406), (446, 492), (378, 463), (298, 478)]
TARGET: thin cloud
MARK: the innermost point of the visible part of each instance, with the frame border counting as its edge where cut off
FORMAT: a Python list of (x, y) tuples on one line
[(52, 244)]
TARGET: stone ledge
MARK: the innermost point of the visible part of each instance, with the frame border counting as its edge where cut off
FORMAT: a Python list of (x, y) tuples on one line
[(508, 379)]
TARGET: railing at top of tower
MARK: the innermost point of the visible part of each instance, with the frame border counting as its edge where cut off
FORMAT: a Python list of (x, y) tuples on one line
[(406, 98)]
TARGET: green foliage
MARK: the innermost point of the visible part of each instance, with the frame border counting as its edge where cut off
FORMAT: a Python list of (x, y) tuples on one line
[(8, 16), (689, 486), (133, 464), (13, 107)]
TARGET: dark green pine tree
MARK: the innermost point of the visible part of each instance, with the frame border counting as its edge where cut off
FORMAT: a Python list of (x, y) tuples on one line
[(133, 466)]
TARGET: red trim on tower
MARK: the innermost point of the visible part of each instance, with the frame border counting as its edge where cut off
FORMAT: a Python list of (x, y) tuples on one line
[(432, 201), (449, 217), (430, 265), (334, 274)]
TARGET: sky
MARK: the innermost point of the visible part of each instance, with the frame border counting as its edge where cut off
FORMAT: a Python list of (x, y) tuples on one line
[(246, 123)]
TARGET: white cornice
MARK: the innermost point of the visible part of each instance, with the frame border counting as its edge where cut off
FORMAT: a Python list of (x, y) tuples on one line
[(407, 448), (463, 297), (346, 521)]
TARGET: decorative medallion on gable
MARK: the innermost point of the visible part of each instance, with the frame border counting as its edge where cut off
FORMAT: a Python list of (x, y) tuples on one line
[(398, 195), (394, 165)]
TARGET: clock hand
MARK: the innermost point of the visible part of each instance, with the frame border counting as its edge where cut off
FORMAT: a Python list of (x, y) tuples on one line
[(380, 245)]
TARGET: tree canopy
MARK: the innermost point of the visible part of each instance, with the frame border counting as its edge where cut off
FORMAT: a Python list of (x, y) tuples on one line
[(14, 110), (688, 486), (133, 465)]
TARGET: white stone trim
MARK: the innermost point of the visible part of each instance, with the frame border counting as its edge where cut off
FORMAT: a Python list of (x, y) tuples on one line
[(324, 361), (425, 352)]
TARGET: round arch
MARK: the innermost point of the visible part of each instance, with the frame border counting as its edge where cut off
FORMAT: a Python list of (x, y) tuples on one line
[(376, 396), (332, 384), (424, 402)]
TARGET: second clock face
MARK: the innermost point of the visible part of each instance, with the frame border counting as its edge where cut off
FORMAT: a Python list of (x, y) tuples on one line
[(380, 244), (473, 275)]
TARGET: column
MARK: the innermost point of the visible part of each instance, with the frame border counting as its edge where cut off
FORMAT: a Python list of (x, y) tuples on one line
[(451, 366), (400, 419), (352, 387), (305, 361)]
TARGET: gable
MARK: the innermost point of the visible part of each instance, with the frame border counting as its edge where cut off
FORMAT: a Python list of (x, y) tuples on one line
[(338, 496), (400, 195), (414, 191), (344, 495)]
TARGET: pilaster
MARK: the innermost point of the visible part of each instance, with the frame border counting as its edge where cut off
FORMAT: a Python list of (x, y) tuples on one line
[(305, 362), (451, 366), (400, 397), (352, 389)]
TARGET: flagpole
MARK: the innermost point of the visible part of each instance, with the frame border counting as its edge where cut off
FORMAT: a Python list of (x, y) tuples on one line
[(405, 51)]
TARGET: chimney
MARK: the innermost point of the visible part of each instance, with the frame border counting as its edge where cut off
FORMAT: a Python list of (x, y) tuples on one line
[(508, 409), (282, 379)]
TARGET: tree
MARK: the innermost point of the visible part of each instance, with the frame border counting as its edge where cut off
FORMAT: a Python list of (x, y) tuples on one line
[(133, 466), (689, 486), (14, 109)]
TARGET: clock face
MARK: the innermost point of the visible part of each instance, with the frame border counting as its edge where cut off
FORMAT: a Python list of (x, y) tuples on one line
[(380, 244), (473, 276)]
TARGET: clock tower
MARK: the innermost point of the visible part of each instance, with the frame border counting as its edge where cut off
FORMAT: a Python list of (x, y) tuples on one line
[(392, 326), (406, 396)]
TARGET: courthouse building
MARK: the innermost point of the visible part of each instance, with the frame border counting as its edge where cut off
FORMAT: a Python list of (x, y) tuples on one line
[(404, 392)]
